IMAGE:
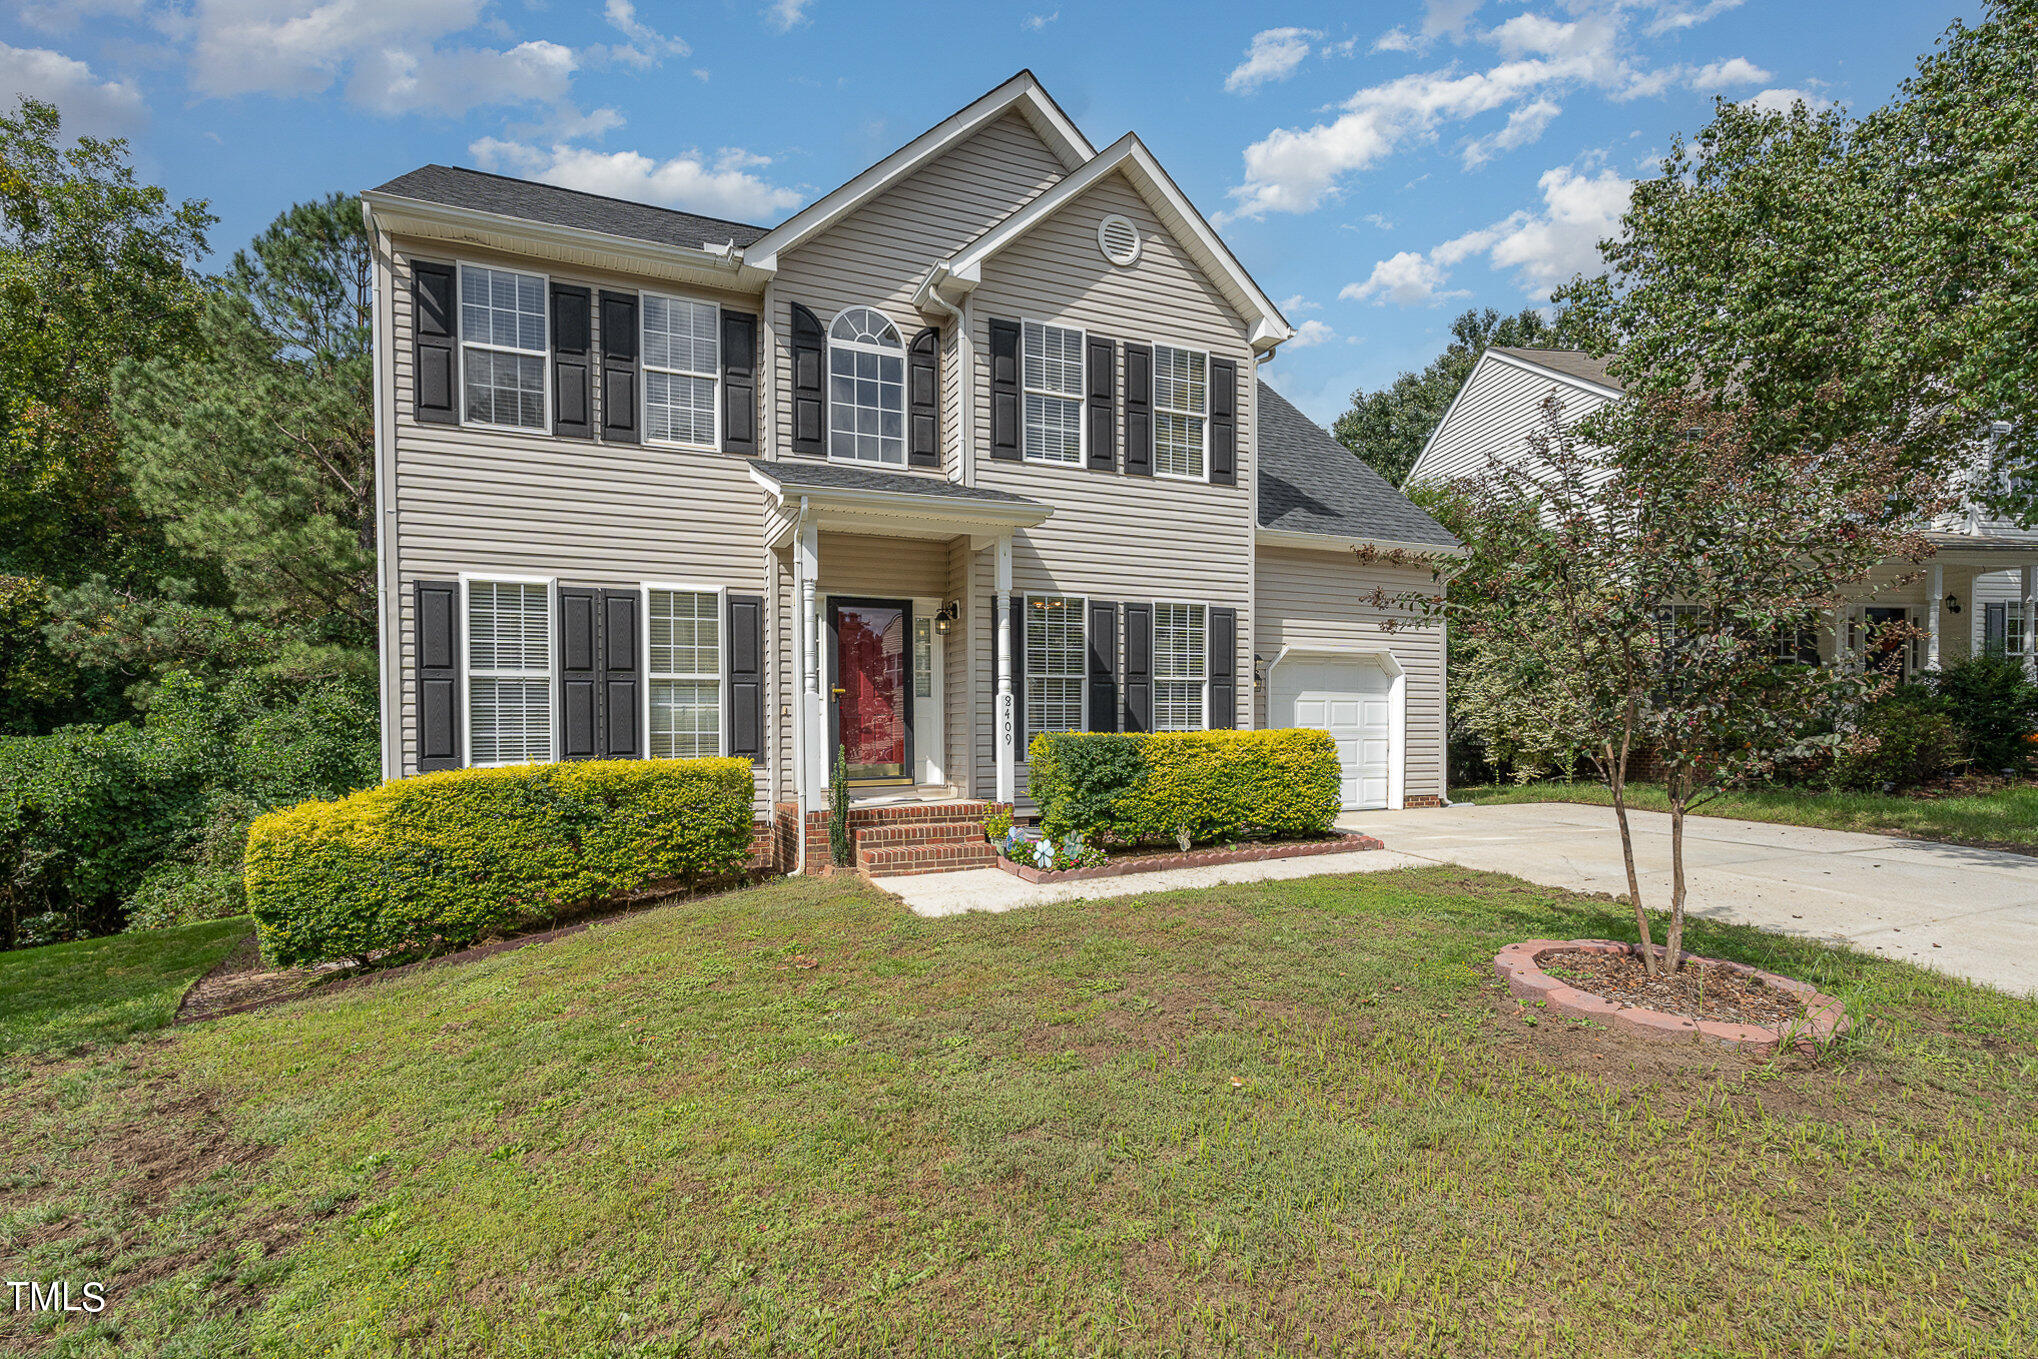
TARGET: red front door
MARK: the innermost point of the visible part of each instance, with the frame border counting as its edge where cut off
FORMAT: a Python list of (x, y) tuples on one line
[(871, 687)]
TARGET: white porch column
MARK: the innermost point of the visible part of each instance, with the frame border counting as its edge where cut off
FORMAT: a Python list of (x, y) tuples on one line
[(1935, 585), (2030, 595), (1840, 637), (1007, 727), (813, 709)]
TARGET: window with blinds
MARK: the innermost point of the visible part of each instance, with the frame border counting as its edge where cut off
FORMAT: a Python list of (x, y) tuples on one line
[(1181, 407), (682, 354), (1057, 653), (509, 672), (683, 631), (1181, 660), (502, 347), (1052, 376)]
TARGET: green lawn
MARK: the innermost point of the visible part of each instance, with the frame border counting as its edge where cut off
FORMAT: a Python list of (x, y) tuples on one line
[(2008, 817), (1291, 1118), (60, 996)]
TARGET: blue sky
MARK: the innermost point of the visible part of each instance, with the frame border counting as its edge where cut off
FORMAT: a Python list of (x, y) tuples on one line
[(1377, 167)]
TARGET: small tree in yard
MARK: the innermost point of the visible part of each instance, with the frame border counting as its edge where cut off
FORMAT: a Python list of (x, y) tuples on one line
[(1659, 605)]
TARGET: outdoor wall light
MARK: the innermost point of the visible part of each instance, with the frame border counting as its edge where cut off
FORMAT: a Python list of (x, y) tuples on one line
[(1953, 603), (947, 616)]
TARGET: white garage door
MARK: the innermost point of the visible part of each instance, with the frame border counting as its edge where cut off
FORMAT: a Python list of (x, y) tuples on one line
[(1347, 697)]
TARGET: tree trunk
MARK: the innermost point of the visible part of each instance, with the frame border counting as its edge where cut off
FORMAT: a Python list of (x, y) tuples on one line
[(1673, 943), (1617, 782)]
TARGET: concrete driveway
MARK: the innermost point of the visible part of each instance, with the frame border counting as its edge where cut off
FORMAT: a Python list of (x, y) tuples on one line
[(1969, 912)]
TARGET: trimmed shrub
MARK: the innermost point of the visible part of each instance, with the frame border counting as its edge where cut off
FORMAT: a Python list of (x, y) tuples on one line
[(1901, 741), (1209, 785), (443, 860), (1994, 705)]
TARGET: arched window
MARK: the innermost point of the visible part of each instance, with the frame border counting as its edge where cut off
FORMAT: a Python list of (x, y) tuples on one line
[(866, 389)]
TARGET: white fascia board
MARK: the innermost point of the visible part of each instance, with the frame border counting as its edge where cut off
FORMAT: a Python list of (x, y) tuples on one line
[(1021, 91), (1334, 542), (1268, 327), (907, 505), (1570, 379)]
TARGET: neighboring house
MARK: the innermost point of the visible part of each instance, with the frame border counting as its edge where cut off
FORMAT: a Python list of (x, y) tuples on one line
[(1976, 593), (971, 448)]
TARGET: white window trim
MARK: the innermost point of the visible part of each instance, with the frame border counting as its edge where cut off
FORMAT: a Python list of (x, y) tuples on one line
[(460, 329), (1081, 398), (1155, 410), (551, 584), (1082, 603), (903, 353), (715, 378), (2013, 629), (721, 594), (1154, 648)]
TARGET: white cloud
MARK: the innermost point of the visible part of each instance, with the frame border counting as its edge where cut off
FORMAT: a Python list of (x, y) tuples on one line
[(1380, 220), (724, 185), (1672, 18), (1273, 54), (1407, 280), (1311, 333), (1036, 22), (1524, 126), (303, 46), (1780, 100), (453, 80), (1733, 71), (90, 105), (1447, 18), (622, 16), (62, 16), (1299, 303), (786, 15), (1394, 40)]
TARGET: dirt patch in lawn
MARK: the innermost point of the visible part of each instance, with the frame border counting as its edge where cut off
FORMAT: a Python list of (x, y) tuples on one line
[(1700, 989), (242, 981)]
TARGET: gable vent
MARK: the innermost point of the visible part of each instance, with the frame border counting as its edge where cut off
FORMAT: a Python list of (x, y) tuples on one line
[(1119, 240)]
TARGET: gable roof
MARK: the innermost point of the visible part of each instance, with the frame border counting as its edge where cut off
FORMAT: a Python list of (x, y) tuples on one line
[(1189, 227), (1310, 483), (1571, 363), (1022, 93), (478, 191)]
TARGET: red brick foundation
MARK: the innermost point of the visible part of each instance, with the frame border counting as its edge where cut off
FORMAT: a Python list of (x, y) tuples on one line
[(1423, 800)]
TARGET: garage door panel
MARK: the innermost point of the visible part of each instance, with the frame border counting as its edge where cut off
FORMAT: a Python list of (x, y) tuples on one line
[(1349, 700)]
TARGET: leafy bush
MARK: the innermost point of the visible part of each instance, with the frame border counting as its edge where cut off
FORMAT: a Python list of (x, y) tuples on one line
[(1205, 785), (1994, 705), (1901, 741), (442, 860)]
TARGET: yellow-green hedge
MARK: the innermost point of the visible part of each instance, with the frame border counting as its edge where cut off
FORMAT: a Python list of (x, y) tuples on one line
[(1218, 785), (442, 860)]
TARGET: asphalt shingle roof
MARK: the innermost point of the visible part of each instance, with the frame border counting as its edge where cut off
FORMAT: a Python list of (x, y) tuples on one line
[(1570, 362), (1311, 483), (483, 192), (797, 472)]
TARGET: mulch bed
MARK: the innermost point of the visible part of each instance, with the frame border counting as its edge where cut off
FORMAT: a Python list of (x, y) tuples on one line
[(1699, 990)]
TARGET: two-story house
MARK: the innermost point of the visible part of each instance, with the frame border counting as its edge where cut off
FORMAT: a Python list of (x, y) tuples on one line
[(1978, 592), (971, 448)]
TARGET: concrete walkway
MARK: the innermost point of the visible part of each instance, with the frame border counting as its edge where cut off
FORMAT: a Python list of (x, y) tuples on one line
[(1969, 912), (993, 889)]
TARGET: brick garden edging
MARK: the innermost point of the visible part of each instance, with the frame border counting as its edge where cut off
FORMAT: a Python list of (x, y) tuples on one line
[(1195, 858), (1519, 968)]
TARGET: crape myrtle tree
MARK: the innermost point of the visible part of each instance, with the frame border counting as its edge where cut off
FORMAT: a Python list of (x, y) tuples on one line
[(1645, 579)]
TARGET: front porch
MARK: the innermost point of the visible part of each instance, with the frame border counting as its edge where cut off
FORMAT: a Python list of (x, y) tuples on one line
[(1941, 601)]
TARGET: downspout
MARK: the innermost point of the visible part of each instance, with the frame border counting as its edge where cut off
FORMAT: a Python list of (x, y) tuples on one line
[(803, 594), (927, 297), (389, 691)]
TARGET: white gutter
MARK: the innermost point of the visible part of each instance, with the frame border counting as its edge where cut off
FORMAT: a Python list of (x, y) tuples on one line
[(388, 678)]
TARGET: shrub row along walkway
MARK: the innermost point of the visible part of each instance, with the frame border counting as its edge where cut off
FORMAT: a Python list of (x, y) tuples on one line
[(1972, 913)]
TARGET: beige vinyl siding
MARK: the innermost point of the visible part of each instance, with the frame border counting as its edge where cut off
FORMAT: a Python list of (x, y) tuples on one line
[(877, 255), (1113, 536), (1314, 600), (1499, 407), (583, 512)]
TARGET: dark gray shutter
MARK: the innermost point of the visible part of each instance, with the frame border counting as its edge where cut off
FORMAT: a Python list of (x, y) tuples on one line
[(572, 350), (1995, 629), (620, 374), (1138, 410), (622, 676), (810, 377), (580, 677), (739, 383), (923, 400), (1019, 676), (1138, 675), (435, 662), (746, 677), (1223, 422), (1223, 636), (1005, 390), (1100, 409), (435, 335), (1103, 639)]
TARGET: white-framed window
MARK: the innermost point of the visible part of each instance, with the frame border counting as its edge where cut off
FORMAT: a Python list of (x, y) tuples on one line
[(2013, 627), (1057, 662), (683, 671), (1181, 667), (1051, 371), (866, 389), (503, 347), (923, 657), (682, 364), (509, 670), (1181, 410)]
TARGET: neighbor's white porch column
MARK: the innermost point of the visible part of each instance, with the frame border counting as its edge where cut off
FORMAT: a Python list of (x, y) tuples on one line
[(813, 711), (1935, 585), (2030, 617), (1006, 729), (1840, 637)]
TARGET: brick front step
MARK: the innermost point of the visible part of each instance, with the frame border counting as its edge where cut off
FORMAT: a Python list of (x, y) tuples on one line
[(921, 833), (891, 860)]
